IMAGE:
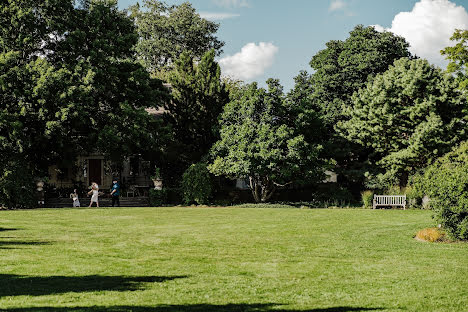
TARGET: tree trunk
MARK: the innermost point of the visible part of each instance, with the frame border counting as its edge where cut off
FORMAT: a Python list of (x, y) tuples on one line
[(403, 180), (262, 188)]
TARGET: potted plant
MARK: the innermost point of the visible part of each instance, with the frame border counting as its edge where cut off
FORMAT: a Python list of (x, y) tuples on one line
[(157, 180)]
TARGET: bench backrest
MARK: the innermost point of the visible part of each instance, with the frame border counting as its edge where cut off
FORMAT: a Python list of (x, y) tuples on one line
[(390, 200)]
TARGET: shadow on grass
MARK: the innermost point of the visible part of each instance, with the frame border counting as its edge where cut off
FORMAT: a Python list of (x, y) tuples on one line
[(7, 229), (19, 285), (10, 244), (193, 308)]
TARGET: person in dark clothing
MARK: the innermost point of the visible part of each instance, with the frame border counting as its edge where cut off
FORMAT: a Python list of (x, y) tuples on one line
[(115, 193)]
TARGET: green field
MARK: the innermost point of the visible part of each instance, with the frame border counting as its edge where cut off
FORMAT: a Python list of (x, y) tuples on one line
[(227, 259)]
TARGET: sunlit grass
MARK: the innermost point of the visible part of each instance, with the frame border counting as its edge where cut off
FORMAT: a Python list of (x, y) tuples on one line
[(227, 259)]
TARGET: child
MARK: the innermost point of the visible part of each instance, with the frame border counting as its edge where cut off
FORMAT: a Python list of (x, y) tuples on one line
[(94, 194), (74, 196), (40, 194)]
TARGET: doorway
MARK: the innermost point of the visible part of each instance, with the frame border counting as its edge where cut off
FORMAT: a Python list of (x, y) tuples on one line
[(95, 168)]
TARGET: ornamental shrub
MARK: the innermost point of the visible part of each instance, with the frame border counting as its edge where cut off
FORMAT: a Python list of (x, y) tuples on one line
[(196, 184), (367, 197), (158, 197), (16, 186), (446, 184)]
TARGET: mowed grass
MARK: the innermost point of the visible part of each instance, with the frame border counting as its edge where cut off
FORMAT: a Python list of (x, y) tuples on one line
[(227, 259)]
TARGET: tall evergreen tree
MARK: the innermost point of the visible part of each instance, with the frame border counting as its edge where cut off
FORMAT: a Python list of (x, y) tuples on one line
[(408, 116), (341, 69), (198, 97)]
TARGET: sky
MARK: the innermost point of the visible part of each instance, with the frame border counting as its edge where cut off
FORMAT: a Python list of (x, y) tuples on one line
[(277, 38)]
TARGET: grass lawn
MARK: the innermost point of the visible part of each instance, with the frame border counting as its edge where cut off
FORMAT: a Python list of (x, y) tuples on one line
[(227, 259)]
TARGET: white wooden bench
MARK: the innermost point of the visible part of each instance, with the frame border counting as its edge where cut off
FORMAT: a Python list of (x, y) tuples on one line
[(389, 200)]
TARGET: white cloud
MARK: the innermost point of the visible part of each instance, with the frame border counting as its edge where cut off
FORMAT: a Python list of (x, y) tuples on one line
[(250, 62), (215, 16), (232, 3), (429, 26), (336, 5)]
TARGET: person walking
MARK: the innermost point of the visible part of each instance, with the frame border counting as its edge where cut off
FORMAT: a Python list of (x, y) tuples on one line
[(115, 193), (94, 194)]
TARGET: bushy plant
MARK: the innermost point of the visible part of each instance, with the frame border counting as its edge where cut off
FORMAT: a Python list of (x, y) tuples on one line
[(446, 184), (16, 186), (196, 184), (158, 197), (431, 235), (413, 197), (367, 197)]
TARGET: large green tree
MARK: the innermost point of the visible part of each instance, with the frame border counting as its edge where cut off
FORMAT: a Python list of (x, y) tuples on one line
[(167, 31), (408, 116), (198, 96), (71, 85), (341, 69), (258, 142), (458, 57)]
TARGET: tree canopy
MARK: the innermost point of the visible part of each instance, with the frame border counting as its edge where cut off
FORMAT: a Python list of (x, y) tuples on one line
[(345, 66), (167, 31), (258, 143), (458, 57), (198, 96), (408, 116), (73, 88), (341, 69)]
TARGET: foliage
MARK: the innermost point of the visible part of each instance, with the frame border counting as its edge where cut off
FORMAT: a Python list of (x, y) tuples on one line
[(158, 198), (408, 116), (167, 31), (156, 174), (196, 184), (72, 80), (367, 197), (16, 185), (341, 69), (345, 66), (431, 235), (259, 142), (458, 57), (198, 97), (332, 192), (446, 184)]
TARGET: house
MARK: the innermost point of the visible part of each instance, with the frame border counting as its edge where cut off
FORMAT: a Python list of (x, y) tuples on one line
[(133, 174)]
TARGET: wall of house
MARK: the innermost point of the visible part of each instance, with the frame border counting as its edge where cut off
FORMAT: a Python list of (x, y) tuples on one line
[(79, 172)]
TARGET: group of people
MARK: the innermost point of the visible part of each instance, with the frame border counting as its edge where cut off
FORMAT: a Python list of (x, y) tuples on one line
[(94, 193)]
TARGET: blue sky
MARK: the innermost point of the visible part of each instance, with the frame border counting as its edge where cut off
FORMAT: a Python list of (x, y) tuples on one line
[(277, 38)]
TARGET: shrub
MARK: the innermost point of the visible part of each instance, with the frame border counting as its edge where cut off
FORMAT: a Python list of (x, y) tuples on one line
[(17, 187), (196, 184), (431, 235), (413, 197), (367, 198), (446, 184), (158, 197)]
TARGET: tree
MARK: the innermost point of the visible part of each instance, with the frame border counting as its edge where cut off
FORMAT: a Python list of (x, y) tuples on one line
[(458, 57), (198, 97), (257, 143), (341, 69), (167, 31), (446, 184), (76, 92), (345, 66), (408, 116)]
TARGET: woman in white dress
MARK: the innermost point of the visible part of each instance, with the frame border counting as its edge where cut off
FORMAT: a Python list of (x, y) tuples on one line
[(94, 194)]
